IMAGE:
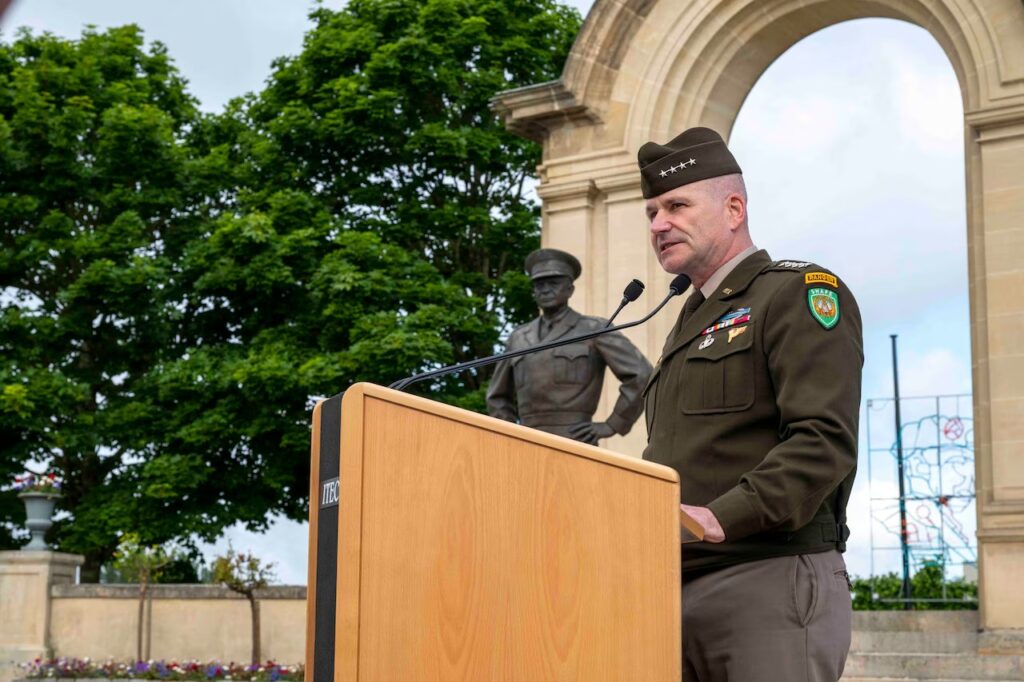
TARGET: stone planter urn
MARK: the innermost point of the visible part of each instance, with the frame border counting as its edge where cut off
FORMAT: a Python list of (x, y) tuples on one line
[(38, 517)]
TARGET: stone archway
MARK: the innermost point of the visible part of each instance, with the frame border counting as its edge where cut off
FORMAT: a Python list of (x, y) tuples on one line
[(646, 69)]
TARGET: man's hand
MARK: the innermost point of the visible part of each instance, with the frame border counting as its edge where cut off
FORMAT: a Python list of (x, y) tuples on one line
[(712, 528), (591, 432)]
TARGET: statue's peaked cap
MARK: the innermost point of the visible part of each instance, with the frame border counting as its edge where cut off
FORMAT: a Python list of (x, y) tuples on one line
[(552, 263)]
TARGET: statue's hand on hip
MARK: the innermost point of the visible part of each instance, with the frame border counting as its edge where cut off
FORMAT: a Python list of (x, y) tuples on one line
[(591, 432)]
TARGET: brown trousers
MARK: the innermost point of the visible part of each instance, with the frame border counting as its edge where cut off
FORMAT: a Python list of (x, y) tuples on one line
[(785, 619)]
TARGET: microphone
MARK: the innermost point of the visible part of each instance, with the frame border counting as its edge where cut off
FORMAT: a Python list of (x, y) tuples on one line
[(680, 284), (631, 293)]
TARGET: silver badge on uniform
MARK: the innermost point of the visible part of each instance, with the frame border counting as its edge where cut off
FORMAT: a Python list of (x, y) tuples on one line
[(708, 340)]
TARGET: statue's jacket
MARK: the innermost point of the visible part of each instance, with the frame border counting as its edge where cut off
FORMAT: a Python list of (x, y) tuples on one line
[(557, 388), (755, 402)]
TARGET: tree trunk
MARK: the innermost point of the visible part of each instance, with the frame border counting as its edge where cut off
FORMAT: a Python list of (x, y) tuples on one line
[(149, 626), (143, 586), (90, 570), (255, 605)]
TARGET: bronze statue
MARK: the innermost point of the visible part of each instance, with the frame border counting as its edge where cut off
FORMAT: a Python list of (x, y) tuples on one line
[(558, 390)]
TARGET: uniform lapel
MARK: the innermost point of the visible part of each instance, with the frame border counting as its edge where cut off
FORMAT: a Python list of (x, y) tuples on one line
[(563, 326), (718, 304), (531, 335)]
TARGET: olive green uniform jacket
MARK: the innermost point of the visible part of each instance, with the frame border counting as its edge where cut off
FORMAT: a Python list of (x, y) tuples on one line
[(556, 389), (759, 416)]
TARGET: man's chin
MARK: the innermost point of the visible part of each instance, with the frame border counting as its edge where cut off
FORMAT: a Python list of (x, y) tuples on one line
[(671, 263)]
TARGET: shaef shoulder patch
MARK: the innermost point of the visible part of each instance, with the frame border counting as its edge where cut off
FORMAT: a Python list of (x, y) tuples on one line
[(824, 306)]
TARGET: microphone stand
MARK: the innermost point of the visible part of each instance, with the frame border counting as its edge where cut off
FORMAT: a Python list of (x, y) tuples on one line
[(678, 286), (632, 292)]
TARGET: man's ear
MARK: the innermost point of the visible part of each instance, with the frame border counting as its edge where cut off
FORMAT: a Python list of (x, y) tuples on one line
[(737, 210)]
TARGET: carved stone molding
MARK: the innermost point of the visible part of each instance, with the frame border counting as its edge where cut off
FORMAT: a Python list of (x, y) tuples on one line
[(535, 110)]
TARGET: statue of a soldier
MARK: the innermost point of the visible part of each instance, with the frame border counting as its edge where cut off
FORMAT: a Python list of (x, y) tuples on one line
[(558, 390)]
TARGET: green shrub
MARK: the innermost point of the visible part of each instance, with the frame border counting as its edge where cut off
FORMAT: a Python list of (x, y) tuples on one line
[(884, 592)]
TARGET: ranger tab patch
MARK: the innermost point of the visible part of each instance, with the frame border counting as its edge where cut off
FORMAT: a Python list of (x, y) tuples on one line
[(824, 305), (821, 278)]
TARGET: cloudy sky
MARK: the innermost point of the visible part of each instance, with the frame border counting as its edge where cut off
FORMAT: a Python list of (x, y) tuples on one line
[(851, 145)]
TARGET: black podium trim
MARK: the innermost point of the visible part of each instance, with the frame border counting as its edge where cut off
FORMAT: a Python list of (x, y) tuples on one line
[(327, 545)]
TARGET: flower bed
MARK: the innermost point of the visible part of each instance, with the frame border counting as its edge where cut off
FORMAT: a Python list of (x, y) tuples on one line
[(84, 668)]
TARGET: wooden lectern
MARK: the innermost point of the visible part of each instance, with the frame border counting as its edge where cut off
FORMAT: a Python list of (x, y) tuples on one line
[(446, 545)]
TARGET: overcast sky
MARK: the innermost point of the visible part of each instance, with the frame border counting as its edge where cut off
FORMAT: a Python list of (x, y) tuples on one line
[(853, 158)]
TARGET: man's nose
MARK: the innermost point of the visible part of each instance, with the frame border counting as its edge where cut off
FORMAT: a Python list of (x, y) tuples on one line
[(659, 223)]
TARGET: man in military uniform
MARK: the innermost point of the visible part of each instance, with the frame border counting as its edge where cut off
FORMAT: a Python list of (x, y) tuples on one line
[(558, 390), (755, 403)]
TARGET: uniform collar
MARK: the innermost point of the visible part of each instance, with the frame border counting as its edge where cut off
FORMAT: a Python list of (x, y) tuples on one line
[(717, 305), (552, 321), (562, 324), (721, 273), (741, 275)]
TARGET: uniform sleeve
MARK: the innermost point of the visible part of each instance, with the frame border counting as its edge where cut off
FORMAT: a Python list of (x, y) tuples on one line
[(632, 370), (501, 393), (816, 374)]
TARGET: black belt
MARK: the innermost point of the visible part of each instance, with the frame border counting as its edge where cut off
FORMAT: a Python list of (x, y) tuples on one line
[(819, 530)]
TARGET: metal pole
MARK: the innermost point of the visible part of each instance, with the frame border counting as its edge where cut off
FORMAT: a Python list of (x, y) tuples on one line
[(871, 503), (899, 465), (941, 508)]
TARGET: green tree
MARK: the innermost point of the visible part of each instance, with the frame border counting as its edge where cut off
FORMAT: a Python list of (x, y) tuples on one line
[(138, 563), (245, 573), (177, 287), (380, 224), (97, 191), (884, 592), (384, 121)]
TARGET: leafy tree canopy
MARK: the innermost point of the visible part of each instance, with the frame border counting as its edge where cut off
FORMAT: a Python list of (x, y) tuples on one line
[(177, 287), (384, 122), (96, 207)]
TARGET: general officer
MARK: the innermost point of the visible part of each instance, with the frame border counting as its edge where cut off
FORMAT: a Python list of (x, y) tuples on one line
[(558, 390), (755, 403)]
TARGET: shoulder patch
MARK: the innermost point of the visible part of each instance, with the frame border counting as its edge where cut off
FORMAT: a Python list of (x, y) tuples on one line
[(824, 306), (821, 278)]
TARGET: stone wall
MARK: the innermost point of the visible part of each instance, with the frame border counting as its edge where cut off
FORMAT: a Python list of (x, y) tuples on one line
[(181, 622), (43, 614)]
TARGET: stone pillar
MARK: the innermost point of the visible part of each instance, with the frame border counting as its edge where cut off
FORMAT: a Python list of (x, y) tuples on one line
[(628, 254), (995, 160), (25, 580), (601, 223), (569, 225)]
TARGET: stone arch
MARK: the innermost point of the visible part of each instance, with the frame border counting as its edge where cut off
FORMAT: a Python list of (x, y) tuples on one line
[(646, 69)]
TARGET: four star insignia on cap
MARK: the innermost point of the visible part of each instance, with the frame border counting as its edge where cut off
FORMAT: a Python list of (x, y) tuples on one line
[(681, 166)]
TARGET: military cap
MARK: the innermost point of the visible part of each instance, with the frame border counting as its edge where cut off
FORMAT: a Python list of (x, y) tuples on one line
[(552, 263), (695, 154)]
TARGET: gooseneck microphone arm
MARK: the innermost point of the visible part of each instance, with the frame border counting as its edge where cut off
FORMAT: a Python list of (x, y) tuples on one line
[(678, 286), (631, 293)]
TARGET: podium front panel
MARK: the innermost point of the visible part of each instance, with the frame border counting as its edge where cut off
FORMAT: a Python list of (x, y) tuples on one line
[(473, 549)]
